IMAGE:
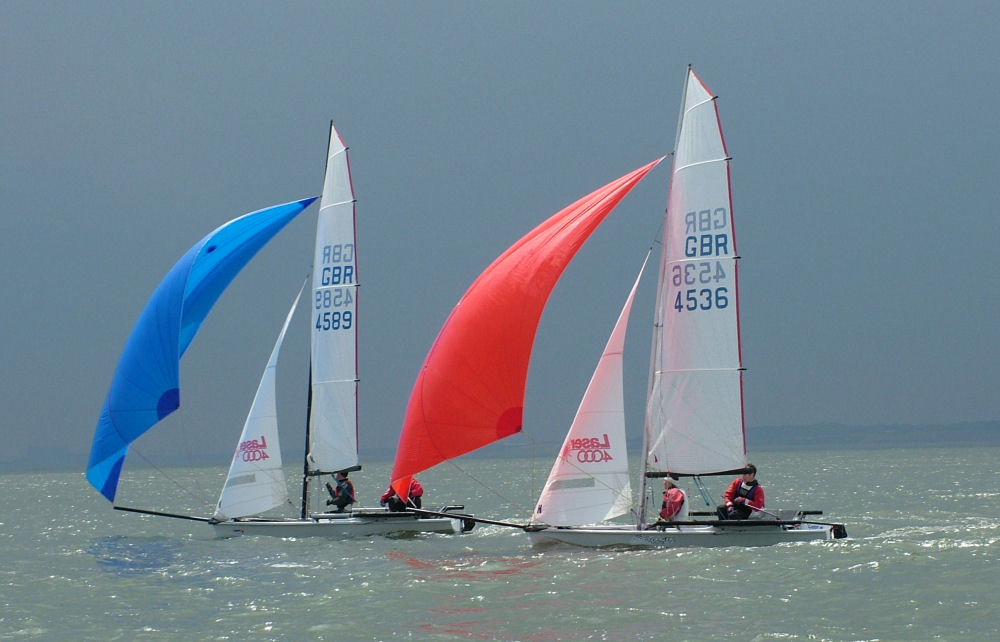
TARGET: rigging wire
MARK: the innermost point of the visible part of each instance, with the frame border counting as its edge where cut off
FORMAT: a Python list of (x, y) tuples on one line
[(185, 489), (509, 503)]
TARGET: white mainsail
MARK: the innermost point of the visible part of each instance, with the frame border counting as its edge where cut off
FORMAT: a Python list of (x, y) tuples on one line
[(256, 482), (589, 481), (694, 414), (333, 417)]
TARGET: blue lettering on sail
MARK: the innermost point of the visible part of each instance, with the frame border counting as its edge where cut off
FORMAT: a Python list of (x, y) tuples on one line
[(707, 245), (337, 275), (701, 299), (693, 273), (700, 273), (701, 229), (333, 296), (334, 320), (338, 253), (706, 220)]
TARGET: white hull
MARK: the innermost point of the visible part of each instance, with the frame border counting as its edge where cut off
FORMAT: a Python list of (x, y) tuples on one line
[(681, 536), (359, 523)]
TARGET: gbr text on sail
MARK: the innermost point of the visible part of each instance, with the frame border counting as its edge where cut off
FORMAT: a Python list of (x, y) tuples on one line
[(333, 289), (701, 277)]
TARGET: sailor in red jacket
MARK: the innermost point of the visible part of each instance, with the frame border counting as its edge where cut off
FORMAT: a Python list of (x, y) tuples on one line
[(743, 496), (391, 499), (674, 501)]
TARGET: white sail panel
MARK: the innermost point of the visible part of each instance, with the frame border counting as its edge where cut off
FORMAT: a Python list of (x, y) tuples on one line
[(333, 424), (695, 408), (256, 482), (589, 481)]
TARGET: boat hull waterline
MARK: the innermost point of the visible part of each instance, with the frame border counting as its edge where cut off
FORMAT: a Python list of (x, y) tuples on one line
[(358, 523), (708, 536)]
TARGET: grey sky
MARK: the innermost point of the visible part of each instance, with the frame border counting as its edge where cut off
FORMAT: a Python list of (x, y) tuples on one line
[(864, 140)]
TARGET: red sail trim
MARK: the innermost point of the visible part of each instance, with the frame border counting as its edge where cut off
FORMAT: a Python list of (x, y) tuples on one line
[(470, 390), (736, 267)]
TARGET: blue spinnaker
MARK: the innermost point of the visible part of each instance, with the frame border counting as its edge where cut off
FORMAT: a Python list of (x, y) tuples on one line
[(146, 386)]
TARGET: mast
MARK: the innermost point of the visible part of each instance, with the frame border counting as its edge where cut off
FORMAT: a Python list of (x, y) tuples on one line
[(654, 353), (306, 472), (305, 451)]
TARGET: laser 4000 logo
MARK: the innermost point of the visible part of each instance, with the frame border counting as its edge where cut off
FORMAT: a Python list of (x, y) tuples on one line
[(253, 450), (589, 450)]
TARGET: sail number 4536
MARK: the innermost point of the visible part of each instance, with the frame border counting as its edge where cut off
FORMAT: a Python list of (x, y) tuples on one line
[(699, 273), (703, 299), (693, 273)]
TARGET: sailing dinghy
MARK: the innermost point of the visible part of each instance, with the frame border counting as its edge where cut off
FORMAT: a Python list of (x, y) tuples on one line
[(694, 411), (145, 388)]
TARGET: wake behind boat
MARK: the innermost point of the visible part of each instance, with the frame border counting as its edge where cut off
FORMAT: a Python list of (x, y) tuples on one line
[(145, 388)]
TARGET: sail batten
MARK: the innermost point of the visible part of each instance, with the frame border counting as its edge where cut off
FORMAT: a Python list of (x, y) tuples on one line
[(706, 101), (695, 259), (329, 205), (704, 162), (676, 370)]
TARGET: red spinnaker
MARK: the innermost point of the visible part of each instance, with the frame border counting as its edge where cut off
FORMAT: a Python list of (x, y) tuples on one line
[(470, 390)]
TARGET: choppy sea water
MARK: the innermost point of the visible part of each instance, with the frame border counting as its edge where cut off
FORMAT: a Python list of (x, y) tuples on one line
[(921, 563)]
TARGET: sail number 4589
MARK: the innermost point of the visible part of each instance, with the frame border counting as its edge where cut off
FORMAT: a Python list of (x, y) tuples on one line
[(335, 320)]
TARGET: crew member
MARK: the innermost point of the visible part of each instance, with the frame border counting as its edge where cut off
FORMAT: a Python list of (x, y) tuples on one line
[(675, 504), (396, 504), (743, 496), (341, 495)]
